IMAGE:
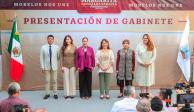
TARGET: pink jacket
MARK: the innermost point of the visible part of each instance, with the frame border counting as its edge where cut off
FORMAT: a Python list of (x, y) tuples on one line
[(81, 62)]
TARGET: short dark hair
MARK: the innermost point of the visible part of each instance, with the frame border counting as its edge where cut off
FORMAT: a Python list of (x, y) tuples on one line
[(156, 104), (104, 40), (126, 41), (50, 36), (84, 38)]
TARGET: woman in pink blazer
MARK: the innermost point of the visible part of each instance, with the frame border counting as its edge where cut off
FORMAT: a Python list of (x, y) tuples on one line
[(85, 62)]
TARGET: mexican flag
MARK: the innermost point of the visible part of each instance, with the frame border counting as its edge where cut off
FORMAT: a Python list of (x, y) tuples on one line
[(14, 48)]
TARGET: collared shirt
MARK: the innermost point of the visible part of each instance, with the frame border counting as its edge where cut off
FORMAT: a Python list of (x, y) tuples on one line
[(125, 105), (6, 105)]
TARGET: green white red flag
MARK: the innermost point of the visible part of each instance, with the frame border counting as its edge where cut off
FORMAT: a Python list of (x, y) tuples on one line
[(14, 48)]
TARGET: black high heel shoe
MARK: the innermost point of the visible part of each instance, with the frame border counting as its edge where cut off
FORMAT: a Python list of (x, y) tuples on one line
[(120, 96), (66, 97)]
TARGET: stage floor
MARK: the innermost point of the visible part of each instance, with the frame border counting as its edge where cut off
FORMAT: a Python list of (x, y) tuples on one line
[(35, 99)]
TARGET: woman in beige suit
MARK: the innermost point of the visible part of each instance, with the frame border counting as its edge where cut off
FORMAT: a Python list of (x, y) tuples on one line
[(104, 62), (67, 61), (145, 68)]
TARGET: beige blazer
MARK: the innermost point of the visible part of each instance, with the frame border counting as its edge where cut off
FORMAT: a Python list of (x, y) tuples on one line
[(45, 57)]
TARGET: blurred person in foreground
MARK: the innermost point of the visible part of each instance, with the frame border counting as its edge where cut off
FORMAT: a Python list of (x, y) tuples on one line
[(13, 102), (156, 104), (128, 104), (163, 96), (143, 105)]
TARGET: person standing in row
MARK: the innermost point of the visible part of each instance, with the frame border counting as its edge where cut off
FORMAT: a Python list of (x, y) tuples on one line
[(85, 62), (49, 57), (67, 61), (125, 66), (145, 69), (104, 61)]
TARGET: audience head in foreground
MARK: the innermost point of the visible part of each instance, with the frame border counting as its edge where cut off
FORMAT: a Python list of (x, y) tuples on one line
[(128, 104), (13, 102), (143, 105), (156, 104)]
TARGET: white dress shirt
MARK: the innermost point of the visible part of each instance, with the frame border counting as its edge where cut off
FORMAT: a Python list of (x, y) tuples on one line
[(125, 105)]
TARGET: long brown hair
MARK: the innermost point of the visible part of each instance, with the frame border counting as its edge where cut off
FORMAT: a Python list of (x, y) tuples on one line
[(64, 46), (150, 44), (103, 40)]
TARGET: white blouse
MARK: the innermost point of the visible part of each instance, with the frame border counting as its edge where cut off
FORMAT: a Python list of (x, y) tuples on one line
[(105, 59)]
